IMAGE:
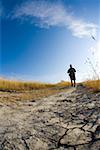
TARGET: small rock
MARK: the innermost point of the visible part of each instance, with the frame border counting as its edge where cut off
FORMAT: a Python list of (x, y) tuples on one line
[(90, 105)]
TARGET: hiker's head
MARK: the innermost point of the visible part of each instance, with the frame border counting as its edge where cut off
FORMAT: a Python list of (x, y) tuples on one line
[(70, 66)]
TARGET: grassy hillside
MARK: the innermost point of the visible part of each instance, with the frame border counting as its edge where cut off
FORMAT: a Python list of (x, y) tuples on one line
[(93, 84), (11, 91), (10, 85)]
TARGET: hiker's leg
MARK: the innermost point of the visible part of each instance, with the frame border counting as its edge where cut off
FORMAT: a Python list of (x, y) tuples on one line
[(71, 82)]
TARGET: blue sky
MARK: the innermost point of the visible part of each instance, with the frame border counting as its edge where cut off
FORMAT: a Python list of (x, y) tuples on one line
[(40, 38)]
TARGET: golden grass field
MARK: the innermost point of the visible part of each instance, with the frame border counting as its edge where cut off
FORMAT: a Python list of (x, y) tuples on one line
[(11, 90), (93, 84), (12, 85)]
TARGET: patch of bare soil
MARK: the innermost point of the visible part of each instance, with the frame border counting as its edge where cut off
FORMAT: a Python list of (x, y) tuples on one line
[(65, 121)]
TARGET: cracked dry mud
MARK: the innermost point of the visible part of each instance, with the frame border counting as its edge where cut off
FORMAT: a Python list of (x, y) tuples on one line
[(66, 121)]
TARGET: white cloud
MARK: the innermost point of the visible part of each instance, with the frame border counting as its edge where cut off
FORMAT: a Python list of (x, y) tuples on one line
[(80, 28), (45, 14)]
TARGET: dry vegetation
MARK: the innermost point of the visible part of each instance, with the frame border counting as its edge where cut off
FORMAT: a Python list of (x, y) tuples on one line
[(12, 85), (11, 91), (93, 84)]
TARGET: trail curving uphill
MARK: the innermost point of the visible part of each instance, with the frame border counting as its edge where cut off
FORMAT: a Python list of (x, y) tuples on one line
[(66, 121)]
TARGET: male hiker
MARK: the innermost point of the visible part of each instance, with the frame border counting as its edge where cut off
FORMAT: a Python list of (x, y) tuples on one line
[(71, 72)]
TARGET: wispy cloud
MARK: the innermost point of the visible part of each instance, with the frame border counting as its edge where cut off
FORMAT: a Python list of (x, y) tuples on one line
[(45, 14)]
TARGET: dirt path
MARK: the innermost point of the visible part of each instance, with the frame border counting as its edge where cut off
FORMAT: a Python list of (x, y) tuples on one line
[(66, 121)]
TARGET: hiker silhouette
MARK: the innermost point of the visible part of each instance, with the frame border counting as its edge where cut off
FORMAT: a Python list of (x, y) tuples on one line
[(71, 71)]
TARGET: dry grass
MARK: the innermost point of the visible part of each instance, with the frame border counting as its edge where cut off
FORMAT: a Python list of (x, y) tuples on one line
[(93, 84), (12, 91), (12, 85)]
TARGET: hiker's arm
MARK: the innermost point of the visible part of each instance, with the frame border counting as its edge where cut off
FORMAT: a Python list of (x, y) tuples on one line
[(68, 71)]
